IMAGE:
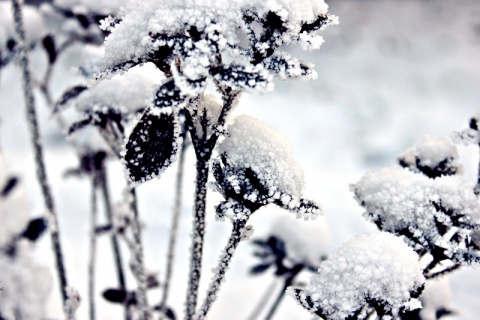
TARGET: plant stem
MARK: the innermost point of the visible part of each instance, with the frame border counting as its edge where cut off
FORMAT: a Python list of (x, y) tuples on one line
[(117, 253), (222, 266), (38, 151), (175, 221), (288, 282), (139, 258), (263, 301), (197, 237), (93, 249), (477, 186)]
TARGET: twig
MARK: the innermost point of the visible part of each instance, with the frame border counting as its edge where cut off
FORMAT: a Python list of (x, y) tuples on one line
[(93, 249), (222, 266), (175, 220), (38, 151), (263, 301)]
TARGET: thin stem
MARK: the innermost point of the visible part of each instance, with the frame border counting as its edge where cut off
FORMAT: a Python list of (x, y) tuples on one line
[(222, 266), (197, 237), (175, 221), (263, 301), (117, 253), (38, 151), (139, 258), (288, 282), (444, 271), (477, 187), (93, 249)]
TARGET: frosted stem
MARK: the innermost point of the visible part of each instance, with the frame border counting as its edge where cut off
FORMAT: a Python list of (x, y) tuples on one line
[(38, 151), (117, 254), (93, 249), (197, 237), (175, 220), (139, 259), (221, 269)]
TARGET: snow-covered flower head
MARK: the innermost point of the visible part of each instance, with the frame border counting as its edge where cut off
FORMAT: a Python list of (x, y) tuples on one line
[(257, 167), (434, 157), (377, 270), (423, 210)]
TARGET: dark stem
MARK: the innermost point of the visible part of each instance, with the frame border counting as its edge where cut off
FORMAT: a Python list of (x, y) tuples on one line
[(93, 249), (288, 282), (38, 151), (139, 258), (444, 271), (117, 253), (197, 237), (222, 266), (263, 301), (175, 220), (477, 187)]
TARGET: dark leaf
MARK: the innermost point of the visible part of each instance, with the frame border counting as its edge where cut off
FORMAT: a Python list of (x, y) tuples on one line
[(260, 268), (240, 77), (260, 243), (83, 20), (443, 312), (278, 246), (321, 21), (474, 124), (152, 146), (49, 45), (168, 95), (287, 68), (11, 44), (166, 312), (35, 229), (68, 95), (116, 295), (9, 186)]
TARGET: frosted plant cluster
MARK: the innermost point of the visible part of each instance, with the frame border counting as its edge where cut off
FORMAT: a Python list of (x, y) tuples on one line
[(305, 242), (423, 210), (356, 276), (433, 157), (257, 167)]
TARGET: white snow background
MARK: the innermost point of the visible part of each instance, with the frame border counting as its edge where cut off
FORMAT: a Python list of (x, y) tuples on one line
[(390, 72)]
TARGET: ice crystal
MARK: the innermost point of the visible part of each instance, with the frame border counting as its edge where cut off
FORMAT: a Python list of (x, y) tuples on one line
[(432, 156), (356, 275), (422, 209)]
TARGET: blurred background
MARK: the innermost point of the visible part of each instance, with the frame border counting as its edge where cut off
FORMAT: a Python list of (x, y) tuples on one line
[(389, 73)]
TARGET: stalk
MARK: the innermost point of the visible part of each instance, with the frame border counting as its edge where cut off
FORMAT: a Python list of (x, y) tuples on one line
[(38, 151), (222, 266), (93, 249), (175, 221)]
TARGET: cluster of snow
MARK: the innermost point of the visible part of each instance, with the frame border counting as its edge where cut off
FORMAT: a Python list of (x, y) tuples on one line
[(432, 156), (411, 204), (125, 93), (24, 288), (378, 269), (34, 24), (305, 241)]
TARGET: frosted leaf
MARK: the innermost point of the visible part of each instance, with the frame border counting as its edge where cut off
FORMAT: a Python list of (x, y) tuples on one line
[(152, 146), (355, 275), (422, 209), (258, 168), (243, 77), (433, 157), (286, 67), (167, 95), (306, 242), (127, 93), (24, 288)]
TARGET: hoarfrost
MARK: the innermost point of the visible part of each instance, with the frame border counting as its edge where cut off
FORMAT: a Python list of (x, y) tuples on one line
[(422, 209), (356, 275), (432, 156)]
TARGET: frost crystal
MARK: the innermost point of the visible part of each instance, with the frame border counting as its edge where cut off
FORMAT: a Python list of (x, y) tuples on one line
[(433, 157), (259, 168), (376, 269), (423, 210)]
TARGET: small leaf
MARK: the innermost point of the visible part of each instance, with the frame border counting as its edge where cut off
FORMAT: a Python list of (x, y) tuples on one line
[(152, 146), (168, 95), (115, 295), (260, 268), (71, 93), (9, 186), (277, 245), (241, 77), (35, 229), (49, 44)]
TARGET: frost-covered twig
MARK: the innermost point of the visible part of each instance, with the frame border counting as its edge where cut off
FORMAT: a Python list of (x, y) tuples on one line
[(93, 249), (223, 262), (38, 150), (175, 220)]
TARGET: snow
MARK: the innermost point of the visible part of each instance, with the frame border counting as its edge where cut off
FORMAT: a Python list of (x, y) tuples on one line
[(401, 201), (356, 272), (252, 144)]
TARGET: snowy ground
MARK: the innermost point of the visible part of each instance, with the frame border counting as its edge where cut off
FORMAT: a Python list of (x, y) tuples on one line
[(391, 72)]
